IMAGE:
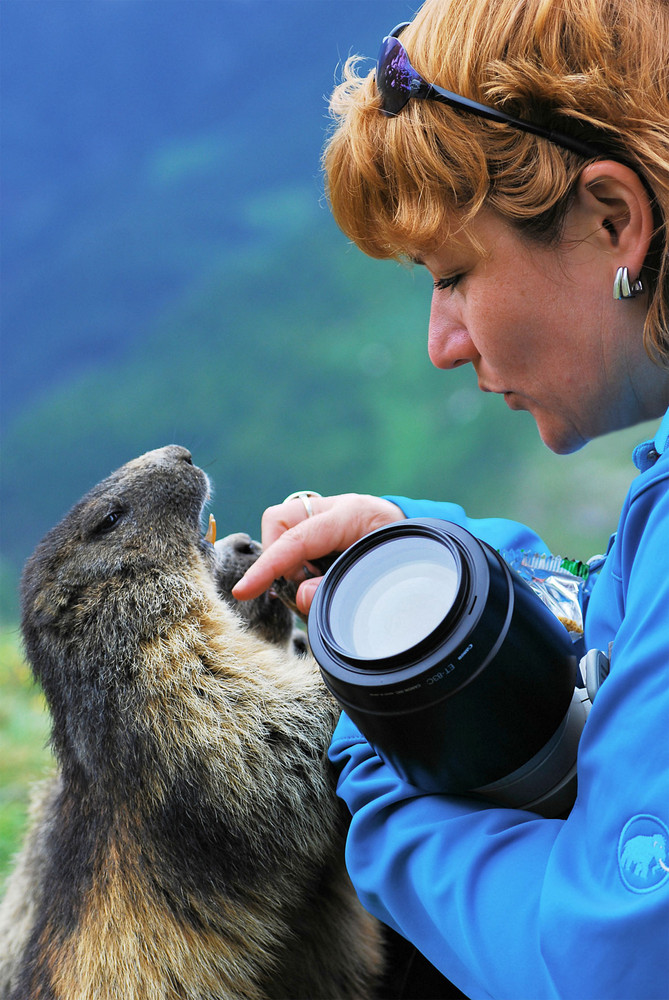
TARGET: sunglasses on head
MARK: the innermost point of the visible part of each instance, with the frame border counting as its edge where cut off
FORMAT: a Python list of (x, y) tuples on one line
[(398, 82)]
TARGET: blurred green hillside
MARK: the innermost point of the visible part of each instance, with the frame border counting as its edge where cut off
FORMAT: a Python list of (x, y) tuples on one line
[(24, 756)]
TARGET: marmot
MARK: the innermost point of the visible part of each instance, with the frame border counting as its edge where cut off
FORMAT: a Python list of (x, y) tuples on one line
[(192, 844), (267, 616)]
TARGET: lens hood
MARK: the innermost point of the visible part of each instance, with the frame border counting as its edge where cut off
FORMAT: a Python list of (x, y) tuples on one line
[(461, 695)]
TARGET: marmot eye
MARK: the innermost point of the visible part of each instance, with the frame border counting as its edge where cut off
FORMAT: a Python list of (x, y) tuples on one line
[(108, 522)]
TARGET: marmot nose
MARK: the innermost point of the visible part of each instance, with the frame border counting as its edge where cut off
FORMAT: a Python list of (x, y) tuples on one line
[(244, 544), (177, 453)]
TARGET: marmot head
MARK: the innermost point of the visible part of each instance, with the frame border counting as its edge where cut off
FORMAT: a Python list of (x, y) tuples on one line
[(267, 615), (125, 571), (140, 522)]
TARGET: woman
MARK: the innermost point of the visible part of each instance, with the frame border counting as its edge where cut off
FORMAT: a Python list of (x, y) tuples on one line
[(547, 243)]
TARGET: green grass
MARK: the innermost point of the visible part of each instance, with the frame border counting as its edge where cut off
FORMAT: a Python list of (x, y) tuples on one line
[(24, 755)]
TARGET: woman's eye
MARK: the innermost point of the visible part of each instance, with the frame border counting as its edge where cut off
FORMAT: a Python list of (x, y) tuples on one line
[(442, 284)]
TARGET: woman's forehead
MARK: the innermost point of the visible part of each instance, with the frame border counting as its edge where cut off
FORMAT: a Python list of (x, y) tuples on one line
[(458, 236)]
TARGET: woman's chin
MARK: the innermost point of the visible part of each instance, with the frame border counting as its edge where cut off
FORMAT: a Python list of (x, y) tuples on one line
[(558, 435), (560, 439)]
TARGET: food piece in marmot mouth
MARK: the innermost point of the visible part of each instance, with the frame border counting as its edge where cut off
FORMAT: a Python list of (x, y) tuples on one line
[(211, 530)]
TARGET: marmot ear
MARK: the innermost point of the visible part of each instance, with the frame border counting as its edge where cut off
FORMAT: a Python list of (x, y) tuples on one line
[(617, 202)]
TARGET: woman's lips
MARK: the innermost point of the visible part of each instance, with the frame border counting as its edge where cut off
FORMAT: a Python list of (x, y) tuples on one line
[(510, 397), (512, 401)]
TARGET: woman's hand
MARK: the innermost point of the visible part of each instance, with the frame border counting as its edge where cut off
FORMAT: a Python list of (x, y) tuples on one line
[(291, 539)]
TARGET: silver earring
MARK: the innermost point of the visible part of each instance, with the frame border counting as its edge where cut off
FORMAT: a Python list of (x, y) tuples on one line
[(622, 288)]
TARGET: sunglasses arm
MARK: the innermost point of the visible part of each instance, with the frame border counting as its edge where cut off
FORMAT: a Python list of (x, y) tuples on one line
[(429, 91)]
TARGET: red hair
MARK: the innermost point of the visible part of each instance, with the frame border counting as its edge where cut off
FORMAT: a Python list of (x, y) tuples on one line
[(595, 68)]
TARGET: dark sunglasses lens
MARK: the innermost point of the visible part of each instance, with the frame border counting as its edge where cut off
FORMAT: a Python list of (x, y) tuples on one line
[(394, 76)]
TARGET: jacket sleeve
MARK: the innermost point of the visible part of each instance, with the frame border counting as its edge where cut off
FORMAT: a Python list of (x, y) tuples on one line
[(496, 531), (509, 904)]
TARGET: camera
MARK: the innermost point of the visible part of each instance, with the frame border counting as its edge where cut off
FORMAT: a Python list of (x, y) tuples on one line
[(454, 670)]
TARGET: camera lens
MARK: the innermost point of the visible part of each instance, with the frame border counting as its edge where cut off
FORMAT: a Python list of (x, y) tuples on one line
[(388, 602), (450, 665)]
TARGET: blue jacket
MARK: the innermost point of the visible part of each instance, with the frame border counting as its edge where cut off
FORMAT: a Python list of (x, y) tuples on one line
[(504, 902)]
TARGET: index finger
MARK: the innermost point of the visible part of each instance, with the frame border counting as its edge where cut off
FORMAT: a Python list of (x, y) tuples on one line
[(285, 556)]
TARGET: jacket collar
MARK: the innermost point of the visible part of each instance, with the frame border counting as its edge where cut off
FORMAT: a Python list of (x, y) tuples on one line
[(646, 454)]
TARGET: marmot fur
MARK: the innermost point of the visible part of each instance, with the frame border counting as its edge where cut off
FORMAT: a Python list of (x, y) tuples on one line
[(192, 844)]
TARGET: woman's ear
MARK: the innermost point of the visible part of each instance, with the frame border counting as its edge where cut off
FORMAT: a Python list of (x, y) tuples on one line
[(619, 213)]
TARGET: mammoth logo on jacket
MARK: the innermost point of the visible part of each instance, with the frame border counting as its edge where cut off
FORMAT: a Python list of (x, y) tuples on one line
[(643, 854)]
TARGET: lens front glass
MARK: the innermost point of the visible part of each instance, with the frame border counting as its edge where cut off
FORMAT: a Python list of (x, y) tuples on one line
[(393, 596)]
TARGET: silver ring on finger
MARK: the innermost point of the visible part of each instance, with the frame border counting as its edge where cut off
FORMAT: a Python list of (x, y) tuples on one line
[(305, 497)]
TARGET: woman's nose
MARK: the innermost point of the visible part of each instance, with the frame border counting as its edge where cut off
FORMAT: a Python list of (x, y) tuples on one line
[(449, 344)]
